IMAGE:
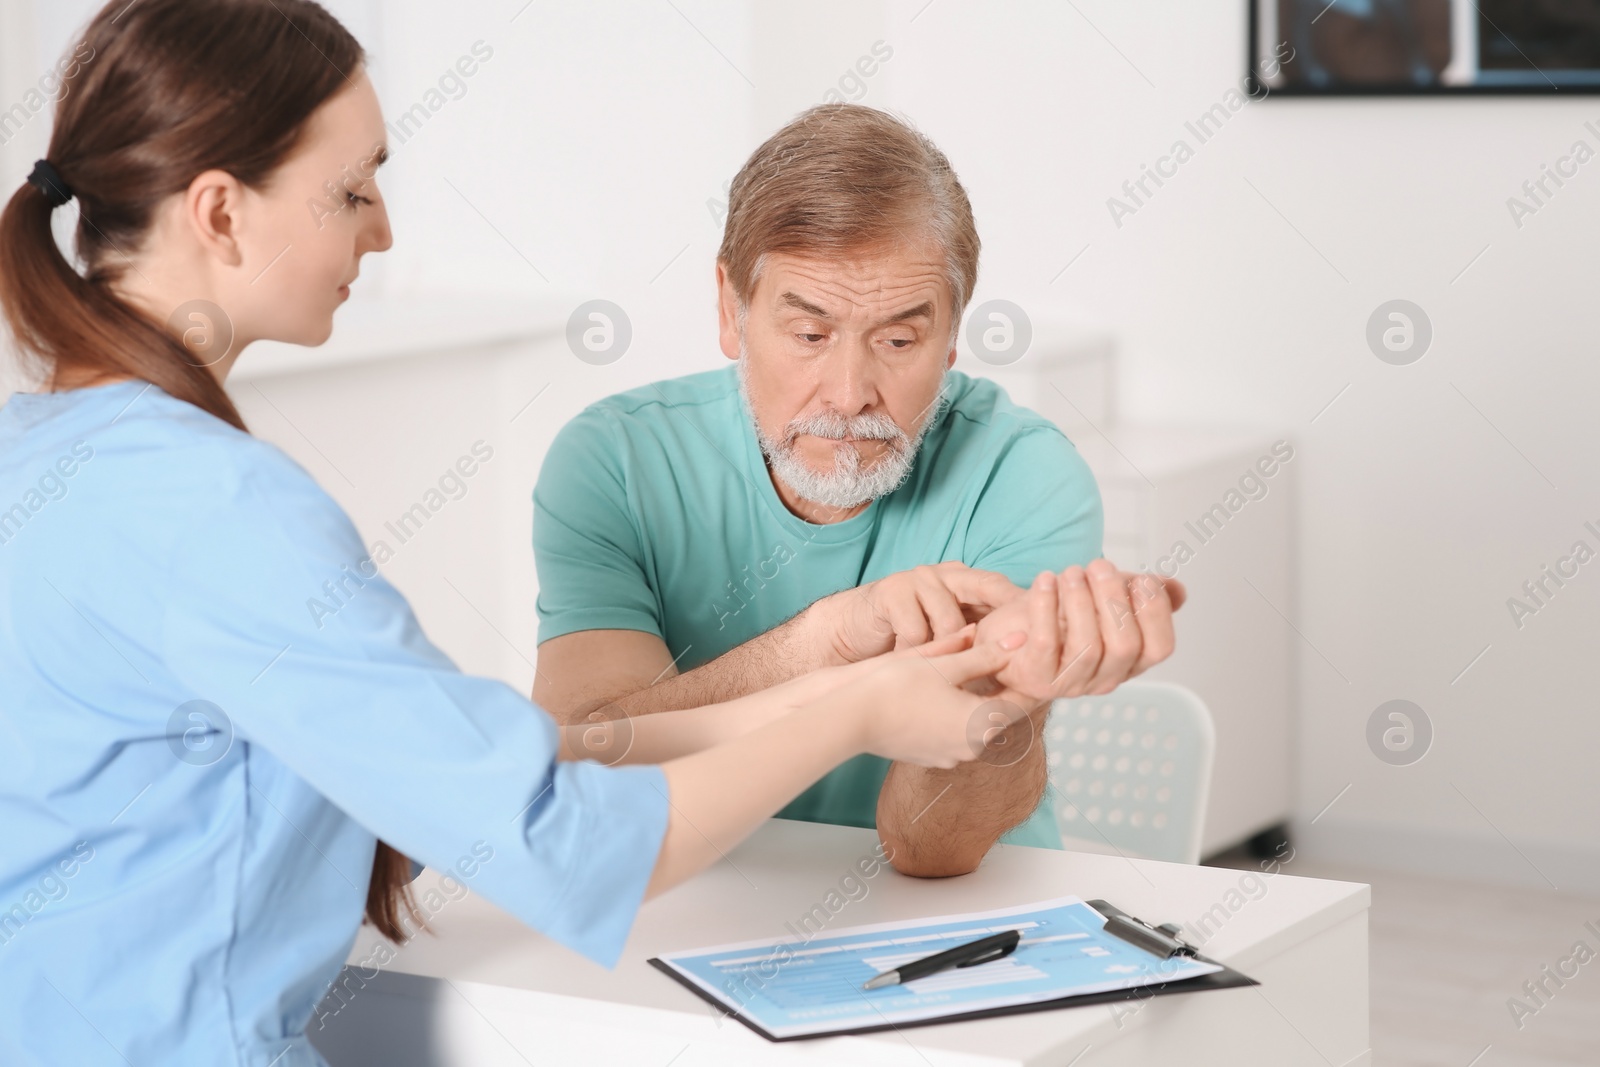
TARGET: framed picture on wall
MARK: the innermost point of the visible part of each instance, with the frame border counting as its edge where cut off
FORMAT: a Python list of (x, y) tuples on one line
[(1396, 47)]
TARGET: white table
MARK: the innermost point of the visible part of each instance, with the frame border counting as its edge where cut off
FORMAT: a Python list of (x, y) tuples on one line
[(487, 991)]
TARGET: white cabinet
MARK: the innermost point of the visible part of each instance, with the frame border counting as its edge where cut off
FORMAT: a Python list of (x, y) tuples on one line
[(1199, 504), (1175, 505)]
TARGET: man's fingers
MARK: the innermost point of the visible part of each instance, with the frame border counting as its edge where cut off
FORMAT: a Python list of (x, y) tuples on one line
[(1176, 592), (1043, 650), (939, 604), (904, 613), (1120, 636), (985, 590), (1153, 605), (1035, 619), (1080, 654), (1145, 587)]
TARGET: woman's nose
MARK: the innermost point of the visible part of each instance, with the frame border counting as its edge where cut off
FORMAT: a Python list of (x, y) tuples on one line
[(380, 237)]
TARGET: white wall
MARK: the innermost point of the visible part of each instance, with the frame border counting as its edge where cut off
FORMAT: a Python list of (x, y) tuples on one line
[(1430, 492), (1239, 293)]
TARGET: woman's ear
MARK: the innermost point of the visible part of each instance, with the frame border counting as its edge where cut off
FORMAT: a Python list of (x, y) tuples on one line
[(213, 209)]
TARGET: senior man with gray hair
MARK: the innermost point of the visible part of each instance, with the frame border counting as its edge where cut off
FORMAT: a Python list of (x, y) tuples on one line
[(838, 493)]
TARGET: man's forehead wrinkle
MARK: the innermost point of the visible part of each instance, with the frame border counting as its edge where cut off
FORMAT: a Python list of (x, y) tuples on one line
[(879, 289)]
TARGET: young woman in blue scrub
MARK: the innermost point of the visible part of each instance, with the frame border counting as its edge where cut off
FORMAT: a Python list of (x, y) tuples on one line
[(197, 776)]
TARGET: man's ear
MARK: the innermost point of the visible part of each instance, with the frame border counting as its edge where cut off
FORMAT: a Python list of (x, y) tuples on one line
[(213, 208), (955, 338), (727, 314)]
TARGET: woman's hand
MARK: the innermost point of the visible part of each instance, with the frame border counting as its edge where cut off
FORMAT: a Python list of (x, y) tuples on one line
[(910, 705), (815, 684), (906, 705)]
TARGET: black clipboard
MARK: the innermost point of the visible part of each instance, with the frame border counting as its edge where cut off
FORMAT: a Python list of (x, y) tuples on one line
[(1227, 978)]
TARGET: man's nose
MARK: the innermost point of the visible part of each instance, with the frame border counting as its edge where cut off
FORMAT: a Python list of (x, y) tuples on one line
[(848, 379)]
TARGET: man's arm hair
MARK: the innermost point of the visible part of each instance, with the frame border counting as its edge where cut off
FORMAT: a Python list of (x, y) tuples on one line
[(938, 823), (632, 672)]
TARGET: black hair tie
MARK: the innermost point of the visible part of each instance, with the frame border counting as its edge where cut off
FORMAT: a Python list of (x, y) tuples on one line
[(48, 181)]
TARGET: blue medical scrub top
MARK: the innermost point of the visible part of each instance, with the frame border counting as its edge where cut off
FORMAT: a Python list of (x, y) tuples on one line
[(194, 759)]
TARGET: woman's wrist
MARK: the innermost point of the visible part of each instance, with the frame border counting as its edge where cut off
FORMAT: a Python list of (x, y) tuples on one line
[(842, 714)]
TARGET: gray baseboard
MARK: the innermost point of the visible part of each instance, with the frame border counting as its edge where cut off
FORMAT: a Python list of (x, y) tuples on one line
[(1486, 858)]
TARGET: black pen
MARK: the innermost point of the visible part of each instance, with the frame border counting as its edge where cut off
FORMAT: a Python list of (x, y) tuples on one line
[(989, 948)]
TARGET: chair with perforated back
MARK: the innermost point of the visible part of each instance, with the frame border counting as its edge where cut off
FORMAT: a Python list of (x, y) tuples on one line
[(1133, 769)]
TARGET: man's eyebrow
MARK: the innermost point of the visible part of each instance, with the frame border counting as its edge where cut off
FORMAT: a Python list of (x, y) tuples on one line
[(799, 303), (923, 310)]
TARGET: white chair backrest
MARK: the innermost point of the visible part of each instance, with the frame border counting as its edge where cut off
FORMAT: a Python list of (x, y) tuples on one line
[(1133, 769)]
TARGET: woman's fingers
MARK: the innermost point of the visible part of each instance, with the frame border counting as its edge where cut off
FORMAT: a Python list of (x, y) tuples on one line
[(979, 661), (942, 646)]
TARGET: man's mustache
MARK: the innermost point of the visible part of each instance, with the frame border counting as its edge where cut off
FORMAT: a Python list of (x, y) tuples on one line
[(837, 428)]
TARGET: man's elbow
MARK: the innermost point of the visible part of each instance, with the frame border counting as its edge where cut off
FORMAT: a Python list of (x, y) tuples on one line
[(580, 711), (942, 859)]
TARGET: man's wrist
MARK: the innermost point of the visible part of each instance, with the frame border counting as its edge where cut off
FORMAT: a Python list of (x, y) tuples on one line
[(819, 632)]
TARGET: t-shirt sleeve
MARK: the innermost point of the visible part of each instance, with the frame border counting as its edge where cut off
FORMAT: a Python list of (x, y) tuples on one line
[(587, 546), (276, 614), (1040, 511)]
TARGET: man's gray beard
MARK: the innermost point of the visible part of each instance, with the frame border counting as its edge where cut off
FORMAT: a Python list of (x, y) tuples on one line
[(847, 485)]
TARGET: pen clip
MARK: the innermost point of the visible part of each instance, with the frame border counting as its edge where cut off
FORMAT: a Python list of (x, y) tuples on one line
[(999, 953)]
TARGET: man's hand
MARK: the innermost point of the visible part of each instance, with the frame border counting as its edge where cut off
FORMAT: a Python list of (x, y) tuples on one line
[(1113, 625), (909, 608)]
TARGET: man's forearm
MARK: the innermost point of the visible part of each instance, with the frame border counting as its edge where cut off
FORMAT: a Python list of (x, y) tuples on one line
[(940, 823), (786, 651)]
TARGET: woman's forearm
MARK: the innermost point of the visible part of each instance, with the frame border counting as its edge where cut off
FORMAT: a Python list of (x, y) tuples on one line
[(668, 735), (721, 794), (610, 737)]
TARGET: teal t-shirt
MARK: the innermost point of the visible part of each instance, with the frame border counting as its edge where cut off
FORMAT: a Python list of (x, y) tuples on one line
[(654, 511)]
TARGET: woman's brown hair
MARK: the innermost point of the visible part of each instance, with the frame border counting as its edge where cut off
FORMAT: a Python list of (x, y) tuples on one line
[(159, 92)]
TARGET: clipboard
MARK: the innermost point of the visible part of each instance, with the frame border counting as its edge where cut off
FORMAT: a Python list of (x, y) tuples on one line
[(1115, 926)]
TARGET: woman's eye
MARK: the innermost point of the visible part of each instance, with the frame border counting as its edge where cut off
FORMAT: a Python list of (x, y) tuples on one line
[(810, 338), (357, 201)]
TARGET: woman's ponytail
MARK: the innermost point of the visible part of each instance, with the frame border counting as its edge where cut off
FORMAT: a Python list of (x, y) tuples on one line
[(79, 325)]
